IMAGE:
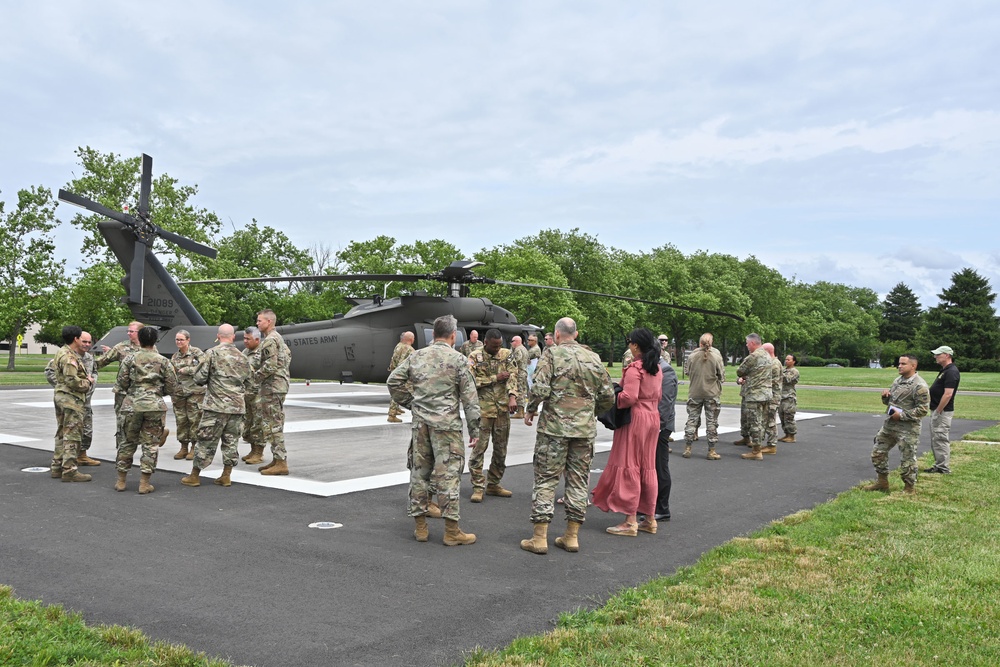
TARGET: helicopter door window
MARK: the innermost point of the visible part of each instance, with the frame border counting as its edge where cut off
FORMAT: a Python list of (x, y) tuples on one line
[(459, 337)]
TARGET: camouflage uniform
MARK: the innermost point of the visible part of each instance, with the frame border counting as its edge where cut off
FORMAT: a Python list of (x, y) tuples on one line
[(120, 353), (144, 377), (627, 358), (574, 386), (399, 353), (272, 387), (494, 415), (534, 354), (432, 383), (789, 378), (468, 347), (744, 414), (913, 397), (772, 406), (72, 387), (756, 369), (707, 373), (225, 372), (88, 411), (253, 429), (520, 357), (187, 399)]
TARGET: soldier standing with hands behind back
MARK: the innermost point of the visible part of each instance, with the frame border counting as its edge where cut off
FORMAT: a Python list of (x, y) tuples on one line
[(496, 383), (272, 387), (433, 383)]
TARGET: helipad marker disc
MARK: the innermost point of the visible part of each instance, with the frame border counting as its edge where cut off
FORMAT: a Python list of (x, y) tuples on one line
[(35, 469), (326, 525)]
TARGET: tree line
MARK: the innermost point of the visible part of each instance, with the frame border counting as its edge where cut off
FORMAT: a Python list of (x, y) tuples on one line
[(821, 322)]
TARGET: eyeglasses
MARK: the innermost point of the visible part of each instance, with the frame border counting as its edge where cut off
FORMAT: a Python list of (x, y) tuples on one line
[(133, 331), (663, 340)]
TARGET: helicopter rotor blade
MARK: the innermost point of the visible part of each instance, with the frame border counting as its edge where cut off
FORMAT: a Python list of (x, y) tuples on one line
[(145, 185), (341, 277), (186, 243), (136, 273), (691, 309), (94, 207)]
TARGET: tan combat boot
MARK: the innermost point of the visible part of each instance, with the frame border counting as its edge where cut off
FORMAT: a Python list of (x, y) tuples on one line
[(742, 441), (393, 419), (74, 476), (770, 449), (163, 437), (223, 479), (881, 485), (477, 496), (420, 532), (453, 535), (569, 541), (255, 456), (753, 455), (268, 466), (182, 454), (84, 460), (787, 438), (278, 467), (498, 491), (433, 511), (55, 473), (909, 488), (539, 542), (713, 455), (144, 485), (193, 478), (687, 451), (120, 484)]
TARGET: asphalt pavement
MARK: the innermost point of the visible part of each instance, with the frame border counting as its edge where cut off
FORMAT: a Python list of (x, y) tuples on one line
[(239, 573)]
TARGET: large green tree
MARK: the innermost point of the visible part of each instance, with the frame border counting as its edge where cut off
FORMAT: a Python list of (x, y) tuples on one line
[(901, 315), (964, 319), (29, 272)]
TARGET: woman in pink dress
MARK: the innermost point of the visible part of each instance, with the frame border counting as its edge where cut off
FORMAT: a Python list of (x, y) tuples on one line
[(628, 483)]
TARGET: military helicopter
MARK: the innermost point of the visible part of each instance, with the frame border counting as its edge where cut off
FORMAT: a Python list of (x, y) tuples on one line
[(351, 347)]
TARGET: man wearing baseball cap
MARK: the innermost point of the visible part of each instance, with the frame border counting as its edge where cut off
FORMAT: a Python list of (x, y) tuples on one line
[(943, 408)]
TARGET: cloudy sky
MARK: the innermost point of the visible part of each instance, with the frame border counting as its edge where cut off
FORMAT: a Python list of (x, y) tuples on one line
[(842, 141)]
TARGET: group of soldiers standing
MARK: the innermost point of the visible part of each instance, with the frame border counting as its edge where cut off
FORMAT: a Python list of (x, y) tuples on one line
[(490, 386), (218, 395)]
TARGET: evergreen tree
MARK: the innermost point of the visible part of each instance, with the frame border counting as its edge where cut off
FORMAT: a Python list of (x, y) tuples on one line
[(900, 315), (965, 319)]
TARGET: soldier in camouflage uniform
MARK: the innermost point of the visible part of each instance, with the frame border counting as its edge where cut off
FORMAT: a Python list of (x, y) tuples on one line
[(402, 350), (534, 354), (272, 387), (519, 354), (144, 377), (789, 378), (187, 399), (432, 383), (909, 400), (82, 458), (120, 353), (496, 382), (664, 345), (627, 358), (574, 386), (253, 429), (225, 373), (471, 345), (72, 386), (755, 374), (707, 372), (771, 434)]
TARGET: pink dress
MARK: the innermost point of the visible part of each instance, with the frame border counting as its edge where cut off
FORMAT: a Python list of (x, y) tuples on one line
[(628, 483)]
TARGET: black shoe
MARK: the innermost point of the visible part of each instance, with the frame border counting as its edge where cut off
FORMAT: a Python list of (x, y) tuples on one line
[(934, 470), (663, 517)]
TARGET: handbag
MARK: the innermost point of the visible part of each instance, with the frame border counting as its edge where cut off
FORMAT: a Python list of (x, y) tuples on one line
[(615, 417)]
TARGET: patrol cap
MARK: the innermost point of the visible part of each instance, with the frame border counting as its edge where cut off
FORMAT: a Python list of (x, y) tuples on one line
[(944, 349)]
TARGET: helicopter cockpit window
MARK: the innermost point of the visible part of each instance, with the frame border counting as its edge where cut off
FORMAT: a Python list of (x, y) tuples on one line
[(459, 338)]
